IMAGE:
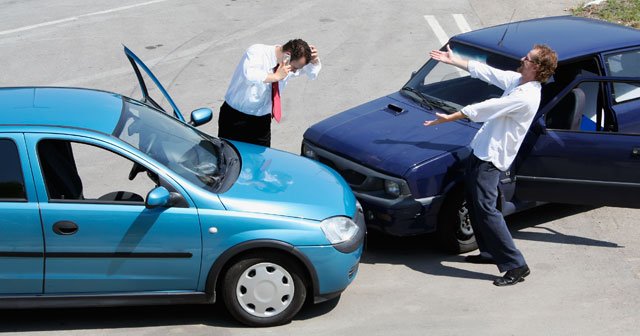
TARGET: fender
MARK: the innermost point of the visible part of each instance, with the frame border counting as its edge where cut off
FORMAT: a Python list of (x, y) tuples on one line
[(220, 263)]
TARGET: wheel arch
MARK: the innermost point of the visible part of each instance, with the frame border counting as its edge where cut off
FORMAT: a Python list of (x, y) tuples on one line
[(226, 259), (458, 186)]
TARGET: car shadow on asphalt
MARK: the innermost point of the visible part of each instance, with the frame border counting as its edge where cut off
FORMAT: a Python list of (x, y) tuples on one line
[(69, 319), (421, 253), (115, 318)]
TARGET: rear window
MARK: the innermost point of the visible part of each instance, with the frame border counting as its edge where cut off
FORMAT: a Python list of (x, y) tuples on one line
[(626, 64), (11, 180)]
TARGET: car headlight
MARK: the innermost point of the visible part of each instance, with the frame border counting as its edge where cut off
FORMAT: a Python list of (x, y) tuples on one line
[(308, 152), (339, 229), (392, 188)]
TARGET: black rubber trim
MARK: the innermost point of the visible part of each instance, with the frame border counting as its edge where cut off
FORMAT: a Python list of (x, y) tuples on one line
[(131, 255), (575, 181), (16, 200), (221, 261), (94, 201), (326, 297), (104, 300), (5, 254)]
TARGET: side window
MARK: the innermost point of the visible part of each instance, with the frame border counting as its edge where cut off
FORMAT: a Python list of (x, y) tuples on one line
[(11, 178), (626, 64), (581, 109), (82, 172), (564, 75)]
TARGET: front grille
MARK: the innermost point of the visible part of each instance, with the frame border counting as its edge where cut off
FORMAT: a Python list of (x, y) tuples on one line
[(353, 177), (360, 178)]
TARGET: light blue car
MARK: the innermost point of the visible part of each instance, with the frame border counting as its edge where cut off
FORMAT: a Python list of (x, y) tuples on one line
[(106, 200)]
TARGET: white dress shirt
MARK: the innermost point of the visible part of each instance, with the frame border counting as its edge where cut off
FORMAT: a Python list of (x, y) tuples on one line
[(506, 119), (247, 92)]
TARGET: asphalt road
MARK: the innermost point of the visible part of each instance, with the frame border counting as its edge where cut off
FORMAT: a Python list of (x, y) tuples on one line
[(585, 261)]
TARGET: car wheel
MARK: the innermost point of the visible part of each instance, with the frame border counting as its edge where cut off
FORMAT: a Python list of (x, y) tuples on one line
[(264, 289), (455, 233)]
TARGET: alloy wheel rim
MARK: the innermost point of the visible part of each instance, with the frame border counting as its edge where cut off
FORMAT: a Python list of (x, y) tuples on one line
[(464, 221), (265, 290)]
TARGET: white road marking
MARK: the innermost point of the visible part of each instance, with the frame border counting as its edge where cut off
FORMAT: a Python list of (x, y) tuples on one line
[(188, 54), (461, 22), (437, 29), (74, 18)]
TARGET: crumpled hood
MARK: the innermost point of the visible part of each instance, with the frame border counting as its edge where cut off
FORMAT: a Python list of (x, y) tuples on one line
[(374, 135), (280, 183)]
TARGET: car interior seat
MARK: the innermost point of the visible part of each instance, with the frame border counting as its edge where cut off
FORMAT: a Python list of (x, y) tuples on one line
[(567, 114), (121, 196), (59, 170)]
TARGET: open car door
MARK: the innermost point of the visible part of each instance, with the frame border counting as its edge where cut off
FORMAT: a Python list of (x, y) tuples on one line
[(137, 63), (595, 165)]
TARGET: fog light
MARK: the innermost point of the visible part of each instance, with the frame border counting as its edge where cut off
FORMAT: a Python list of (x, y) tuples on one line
[(392, 188), (370, 215)]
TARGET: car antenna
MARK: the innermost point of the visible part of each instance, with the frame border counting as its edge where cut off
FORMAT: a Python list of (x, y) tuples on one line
[(507, 27)]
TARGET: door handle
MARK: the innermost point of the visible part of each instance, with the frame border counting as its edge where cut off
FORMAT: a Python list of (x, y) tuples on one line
[(65, 228), (635, 152)]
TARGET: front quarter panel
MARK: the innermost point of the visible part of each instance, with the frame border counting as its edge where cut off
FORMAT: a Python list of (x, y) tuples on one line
[(222, 230), (437, 176)]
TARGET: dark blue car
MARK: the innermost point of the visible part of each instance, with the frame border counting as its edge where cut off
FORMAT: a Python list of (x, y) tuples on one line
[(583, 147)]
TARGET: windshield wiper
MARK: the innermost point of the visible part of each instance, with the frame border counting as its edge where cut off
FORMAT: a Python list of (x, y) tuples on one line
[(431, 102), (424, 101), (441, 104)]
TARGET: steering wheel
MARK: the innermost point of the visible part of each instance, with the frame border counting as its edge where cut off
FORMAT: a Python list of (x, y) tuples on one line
[(138, 168)]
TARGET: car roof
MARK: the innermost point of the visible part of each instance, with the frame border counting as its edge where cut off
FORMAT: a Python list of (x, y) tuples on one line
[(63, 107), (570, 36)]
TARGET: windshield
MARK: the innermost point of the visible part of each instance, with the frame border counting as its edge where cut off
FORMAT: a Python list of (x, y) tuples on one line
[(445, 86), (186, 151)]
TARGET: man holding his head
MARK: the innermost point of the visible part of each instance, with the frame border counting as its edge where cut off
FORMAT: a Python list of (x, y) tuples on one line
[(253, 96)]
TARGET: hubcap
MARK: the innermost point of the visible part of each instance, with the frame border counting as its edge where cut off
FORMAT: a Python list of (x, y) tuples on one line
[(464, 222), (265, 290)]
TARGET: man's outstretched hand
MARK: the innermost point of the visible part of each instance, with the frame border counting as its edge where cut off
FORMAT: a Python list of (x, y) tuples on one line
[(443, 56), (441, 118)]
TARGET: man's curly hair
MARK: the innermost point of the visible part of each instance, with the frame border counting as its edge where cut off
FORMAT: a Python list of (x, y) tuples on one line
[(547, 61)]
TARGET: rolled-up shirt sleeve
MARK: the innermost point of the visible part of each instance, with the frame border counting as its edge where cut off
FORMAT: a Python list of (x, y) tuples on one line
[(493, 108), (500, 78), (312, 70), (252, 67)]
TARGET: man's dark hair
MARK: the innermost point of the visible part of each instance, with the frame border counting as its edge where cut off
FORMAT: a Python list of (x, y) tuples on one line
[(298, 49)]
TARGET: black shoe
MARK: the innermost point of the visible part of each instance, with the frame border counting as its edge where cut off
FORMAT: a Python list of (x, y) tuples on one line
[(513, 276), (479, 259)]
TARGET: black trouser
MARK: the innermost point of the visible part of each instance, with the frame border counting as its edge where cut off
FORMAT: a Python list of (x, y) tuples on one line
[(493, 236), (235, 125)]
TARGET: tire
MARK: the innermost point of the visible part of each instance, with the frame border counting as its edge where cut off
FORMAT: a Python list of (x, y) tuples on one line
[(263, 290), (455, 234)]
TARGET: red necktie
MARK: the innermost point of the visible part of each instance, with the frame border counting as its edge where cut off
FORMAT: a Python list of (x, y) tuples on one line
[(276, 112)]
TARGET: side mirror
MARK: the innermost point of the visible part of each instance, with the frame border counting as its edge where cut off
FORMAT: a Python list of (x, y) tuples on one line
[(157, 197), (413, 74), (201, 116)]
